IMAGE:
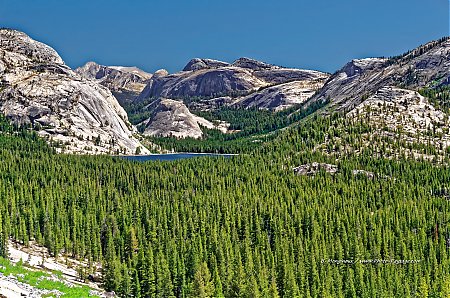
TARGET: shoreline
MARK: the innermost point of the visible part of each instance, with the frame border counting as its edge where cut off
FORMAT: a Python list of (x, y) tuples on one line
[(178, 153)]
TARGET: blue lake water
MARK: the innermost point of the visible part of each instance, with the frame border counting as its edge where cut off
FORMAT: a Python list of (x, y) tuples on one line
[(174, 156)]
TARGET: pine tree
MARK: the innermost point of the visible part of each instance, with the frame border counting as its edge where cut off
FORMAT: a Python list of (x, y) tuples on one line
[(253, 288), (218, 291), (111, 267), (239, 286), (273, 289), (132, 243), (136, 288), (3, 245), (446, 287), (125, 289), (422, 290), (350, 285), (164, 286), (202, 286)]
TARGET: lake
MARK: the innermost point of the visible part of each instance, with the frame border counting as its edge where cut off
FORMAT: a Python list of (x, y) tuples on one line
[(174, 156)]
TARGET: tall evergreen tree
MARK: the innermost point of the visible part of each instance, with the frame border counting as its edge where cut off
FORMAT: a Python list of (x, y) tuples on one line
[(202, 286), (164, 286)]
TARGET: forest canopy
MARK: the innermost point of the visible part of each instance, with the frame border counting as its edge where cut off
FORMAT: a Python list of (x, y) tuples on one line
[(246, 226)]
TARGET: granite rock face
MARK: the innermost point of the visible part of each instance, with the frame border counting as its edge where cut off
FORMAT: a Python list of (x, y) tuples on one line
[(37, 88), (394, 107), (386, 95), (426, 66), (252, 64), (203, 80), (314, 168), (281, 96), (277, 76), (208, 85), (198, 64), (171, 118), (202, 83), (126, 83)]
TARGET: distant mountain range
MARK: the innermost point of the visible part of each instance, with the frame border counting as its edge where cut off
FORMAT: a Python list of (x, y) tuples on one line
[(206, 84), (242, 81), (84, 109)]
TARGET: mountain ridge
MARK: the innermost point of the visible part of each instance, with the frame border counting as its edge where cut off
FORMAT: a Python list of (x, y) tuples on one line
[(414, 69), (208, 78), (38, 89), (126, 83), (29, 70)]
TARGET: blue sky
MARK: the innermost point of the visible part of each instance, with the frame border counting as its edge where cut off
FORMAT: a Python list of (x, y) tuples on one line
[(153, 34)]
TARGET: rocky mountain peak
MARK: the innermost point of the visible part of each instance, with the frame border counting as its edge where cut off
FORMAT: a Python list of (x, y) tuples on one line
[(425, 66), (20, 43), (247, 82), (252, 64), (92, 70), (437, 47), (160, 73), (125, 82), (358, 66), (132, 70), (198, 64), (89, 70)]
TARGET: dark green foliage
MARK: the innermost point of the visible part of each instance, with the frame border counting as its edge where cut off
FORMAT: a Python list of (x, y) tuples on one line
[(239, 227), (250, 121), (249, 128), (139, 111), (439, 97), (213, 143)]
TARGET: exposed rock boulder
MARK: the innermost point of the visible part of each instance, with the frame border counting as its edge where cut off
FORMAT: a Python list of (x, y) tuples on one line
[(37, 88), (312, 169), (368, 174)]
